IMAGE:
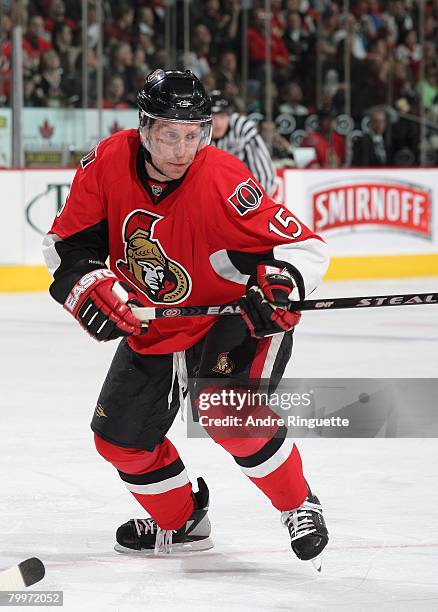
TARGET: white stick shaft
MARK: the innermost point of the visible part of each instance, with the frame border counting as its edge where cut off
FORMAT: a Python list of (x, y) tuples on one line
[(144, 313)]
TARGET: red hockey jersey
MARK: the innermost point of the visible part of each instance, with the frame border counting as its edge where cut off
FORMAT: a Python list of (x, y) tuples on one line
[(192, 242)]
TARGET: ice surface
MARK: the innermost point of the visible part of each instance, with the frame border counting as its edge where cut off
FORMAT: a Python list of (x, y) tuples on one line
[(62, 503)]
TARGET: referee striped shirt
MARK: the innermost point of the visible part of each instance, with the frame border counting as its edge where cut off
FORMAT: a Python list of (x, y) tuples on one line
[(243, 140)]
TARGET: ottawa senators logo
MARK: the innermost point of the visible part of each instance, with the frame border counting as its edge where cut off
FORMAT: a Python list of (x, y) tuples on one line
[(247, 196), (224, 364), (146, 264)]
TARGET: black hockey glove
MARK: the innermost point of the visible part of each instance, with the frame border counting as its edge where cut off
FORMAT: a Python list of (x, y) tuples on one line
[(101, 304), (266, 307)]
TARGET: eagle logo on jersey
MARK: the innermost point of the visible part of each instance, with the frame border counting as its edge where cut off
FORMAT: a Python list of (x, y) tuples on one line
[(146, 265)]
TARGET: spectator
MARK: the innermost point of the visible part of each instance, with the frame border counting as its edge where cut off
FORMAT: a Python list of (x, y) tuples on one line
[(428, 87), (73, 86), (329, 146), (209, 82), (93, 26), (278, 21), (140, 62), (34, 43), (429, 52), (292, 96), (232, 9), (115, 91), (410, 53), (36, 38), (431, 29), (257, 48), (57, 16), (374, 20), (160, 59), (5, 28), (48, 90), (121, 29), (146, 27), (403, 18), (145, 21), (279, 147), (402, 83), (217, 24), (372, 149), (122, 65), (329, 37), (226, 71), (295, 38), (62, 38), (146, 43), (198, 60)]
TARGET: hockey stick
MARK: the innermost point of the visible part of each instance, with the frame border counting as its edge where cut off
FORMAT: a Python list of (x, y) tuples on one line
[(371, 301), (24, 574)]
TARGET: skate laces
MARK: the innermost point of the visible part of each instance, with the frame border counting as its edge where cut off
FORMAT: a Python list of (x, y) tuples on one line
[(163, 539), (148, 525), (300, 521), (163, 542)]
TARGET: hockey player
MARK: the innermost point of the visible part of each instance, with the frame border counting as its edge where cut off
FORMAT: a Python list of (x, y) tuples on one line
[(238, 135), (183, 223)]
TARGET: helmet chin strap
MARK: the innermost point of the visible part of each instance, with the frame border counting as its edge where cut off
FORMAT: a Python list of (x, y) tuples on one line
[(148, 158)]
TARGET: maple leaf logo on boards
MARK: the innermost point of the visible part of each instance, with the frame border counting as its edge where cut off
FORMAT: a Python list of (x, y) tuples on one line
[(116, 127), (46, 130)]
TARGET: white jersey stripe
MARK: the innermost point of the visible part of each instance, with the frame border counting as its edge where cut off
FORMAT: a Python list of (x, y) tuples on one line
[(159, 487), (274, 347), (51, 257), (271, 464), (223, 266)]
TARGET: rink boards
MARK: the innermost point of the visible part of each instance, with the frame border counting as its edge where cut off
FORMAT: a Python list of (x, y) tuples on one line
[(377, 223)]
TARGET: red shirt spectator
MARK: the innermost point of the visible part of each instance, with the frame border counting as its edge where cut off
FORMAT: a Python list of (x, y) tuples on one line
[(115, 91), (257, 47), (34, 44), (56, 14), (329, 145)]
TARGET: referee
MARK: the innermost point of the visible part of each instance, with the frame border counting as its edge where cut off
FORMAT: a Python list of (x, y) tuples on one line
[(239, 136)]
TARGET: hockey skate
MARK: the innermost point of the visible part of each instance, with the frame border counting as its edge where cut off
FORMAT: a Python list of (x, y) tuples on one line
[(144, 536), (307, 530)]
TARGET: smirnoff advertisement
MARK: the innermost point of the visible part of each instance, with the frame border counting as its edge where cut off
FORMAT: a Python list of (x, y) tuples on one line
[(368, 212), (381, 205)]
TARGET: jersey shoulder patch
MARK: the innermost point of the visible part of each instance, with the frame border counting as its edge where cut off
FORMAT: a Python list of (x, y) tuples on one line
[(247, 196), (89, 157)]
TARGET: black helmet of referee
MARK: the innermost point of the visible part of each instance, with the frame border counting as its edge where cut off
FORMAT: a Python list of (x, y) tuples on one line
[(219, 103)]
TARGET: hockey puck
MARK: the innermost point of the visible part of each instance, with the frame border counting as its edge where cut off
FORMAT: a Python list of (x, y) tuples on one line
[(32, 570)]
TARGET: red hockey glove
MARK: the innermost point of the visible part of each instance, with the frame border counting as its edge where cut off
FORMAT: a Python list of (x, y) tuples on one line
[(266, 305), (101, 305)]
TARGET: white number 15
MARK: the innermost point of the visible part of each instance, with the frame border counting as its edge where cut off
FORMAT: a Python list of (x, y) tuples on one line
[(288, 222)]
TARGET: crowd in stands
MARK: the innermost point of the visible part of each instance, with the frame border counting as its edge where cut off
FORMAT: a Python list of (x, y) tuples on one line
[(315, 49)]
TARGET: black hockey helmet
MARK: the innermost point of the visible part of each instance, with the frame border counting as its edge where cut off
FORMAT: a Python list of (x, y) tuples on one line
[(219, 103), (173, 95), (176, 97)]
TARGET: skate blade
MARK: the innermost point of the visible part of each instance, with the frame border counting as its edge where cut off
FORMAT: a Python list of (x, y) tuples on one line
[(317, 563), (177, 548)]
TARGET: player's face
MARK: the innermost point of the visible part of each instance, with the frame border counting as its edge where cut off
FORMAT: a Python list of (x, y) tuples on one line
[(173, 146)]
